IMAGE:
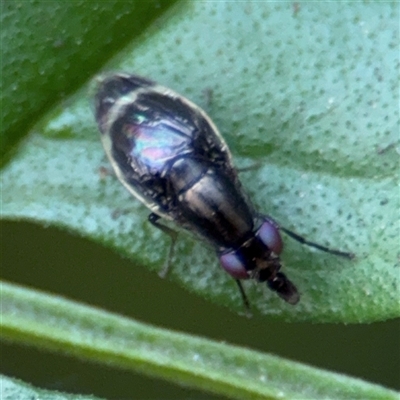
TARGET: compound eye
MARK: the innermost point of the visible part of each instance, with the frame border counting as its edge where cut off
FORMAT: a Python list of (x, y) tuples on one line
[(270, 236), (233, 265)]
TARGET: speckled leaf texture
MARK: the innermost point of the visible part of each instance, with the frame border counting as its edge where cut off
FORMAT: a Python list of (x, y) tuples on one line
[(13, 389), (308, 91), (55, 323)]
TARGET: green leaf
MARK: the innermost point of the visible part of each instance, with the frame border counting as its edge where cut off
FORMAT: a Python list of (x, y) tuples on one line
[(314, 103), (44, 62), (58, 324), (14, 389)]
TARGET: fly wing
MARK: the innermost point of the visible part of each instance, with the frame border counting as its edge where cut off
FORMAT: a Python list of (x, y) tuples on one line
[(142, 142), (146, 128)]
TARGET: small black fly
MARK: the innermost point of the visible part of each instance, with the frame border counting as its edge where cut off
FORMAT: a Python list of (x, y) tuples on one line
[(169, 154)]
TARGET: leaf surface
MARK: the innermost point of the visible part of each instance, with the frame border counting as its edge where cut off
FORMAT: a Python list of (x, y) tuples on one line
[(57, 324), (315, 103)]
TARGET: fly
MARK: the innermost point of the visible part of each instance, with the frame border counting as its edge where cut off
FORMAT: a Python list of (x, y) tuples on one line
[(169, 154)]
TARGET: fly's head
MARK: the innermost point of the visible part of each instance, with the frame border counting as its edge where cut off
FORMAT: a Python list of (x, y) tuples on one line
[(258, 258)]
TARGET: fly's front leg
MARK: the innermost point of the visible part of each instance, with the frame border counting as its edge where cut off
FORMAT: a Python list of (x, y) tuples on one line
[(302, 240), (153, 219), (245, 300)]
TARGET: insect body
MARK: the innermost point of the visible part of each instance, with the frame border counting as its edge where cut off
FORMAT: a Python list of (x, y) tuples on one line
[(169, 154)]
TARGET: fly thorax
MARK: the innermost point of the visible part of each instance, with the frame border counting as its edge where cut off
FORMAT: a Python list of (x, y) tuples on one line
[(184, 173)]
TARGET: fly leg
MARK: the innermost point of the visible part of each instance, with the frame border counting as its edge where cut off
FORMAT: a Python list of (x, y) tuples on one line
[(301, 240), (153, 219), (252, 167), (245, 300)]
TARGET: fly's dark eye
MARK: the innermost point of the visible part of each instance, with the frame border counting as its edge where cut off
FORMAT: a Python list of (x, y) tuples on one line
[(233, 265), (270, 236)]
